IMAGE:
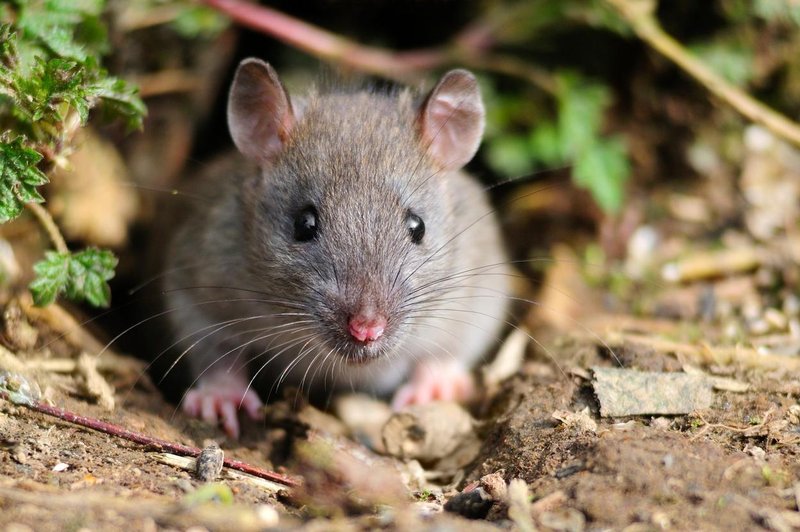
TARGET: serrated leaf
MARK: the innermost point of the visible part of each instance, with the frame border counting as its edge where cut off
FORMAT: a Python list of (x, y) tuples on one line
[(19, 177), (81, 276), (122, 98), (52, 275), (93, 268)]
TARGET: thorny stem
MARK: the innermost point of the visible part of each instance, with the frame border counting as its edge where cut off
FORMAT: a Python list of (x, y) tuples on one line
[(49, 226), (469, 48), (148, 441), (640, 15)]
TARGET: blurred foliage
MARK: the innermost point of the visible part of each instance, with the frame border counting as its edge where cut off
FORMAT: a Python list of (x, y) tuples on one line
[(194, 21), (754, 44), (50, 78)]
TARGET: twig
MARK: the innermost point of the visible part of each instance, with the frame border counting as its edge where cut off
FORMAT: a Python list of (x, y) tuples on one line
[(469, 48), (147, 441), (640, 15), (706, 354), (49, 226)]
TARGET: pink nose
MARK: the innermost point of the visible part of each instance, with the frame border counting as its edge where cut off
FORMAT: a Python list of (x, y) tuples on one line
[(366, 328)]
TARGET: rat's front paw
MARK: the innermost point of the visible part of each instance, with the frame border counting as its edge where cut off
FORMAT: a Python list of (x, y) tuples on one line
[(432, 381), (217, 400)]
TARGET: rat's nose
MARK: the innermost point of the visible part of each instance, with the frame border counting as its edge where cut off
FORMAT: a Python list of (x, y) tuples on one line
[(366, 328)]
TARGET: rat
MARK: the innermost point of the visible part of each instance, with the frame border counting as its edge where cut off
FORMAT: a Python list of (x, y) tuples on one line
[(342, 248)]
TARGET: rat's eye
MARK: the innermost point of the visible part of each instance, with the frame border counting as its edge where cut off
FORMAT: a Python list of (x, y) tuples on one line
[(416, 227), (305, 224)]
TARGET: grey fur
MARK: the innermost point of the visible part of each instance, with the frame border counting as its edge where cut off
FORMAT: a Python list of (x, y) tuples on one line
[(360, 159)]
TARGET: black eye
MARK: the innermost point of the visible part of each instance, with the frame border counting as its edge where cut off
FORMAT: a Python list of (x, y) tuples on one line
[(305, 224), (416, 227)]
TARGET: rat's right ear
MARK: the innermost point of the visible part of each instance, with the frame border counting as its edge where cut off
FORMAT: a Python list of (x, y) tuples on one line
[(260, 113)]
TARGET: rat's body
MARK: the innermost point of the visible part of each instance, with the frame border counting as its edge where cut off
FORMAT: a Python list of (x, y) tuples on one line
[(349, 252)]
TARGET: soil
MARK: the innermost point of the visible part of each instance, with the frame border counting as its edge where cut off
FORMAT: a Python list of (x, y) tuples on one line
[(731, 466)]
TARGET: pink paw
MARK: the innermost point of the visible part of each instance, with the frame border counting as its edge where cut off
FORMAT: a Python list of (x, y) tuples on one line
[(217, 400), (435, 382)]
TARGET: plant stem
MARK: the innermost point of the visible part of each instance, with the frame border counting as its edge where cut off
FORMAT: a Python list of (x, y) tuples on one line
[(327, 45), (640, 15), (469, 48), (147, 441), (49, 225)]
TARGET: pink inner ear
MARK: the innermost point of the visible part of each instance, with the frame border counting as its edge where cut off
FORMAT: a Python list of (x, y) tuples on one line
[(452, 120), (259, 111)]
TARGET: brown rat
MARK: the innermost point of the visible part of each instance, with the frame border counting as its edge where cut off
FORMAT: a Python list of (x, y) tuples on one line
[(345, 248)]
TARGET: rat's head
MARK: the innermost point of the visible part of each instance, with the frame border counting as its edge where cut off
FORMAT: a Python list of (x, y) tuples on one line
[(351, 218)]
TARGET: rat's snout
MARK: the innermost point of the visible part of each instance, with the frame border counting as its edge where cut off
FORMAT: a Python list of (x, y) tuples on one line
[(366, 326)]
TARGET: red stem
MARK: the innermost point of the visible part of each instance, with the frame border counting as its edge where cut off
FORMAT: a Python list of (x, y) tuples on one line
[(328, 45), (153, 443)]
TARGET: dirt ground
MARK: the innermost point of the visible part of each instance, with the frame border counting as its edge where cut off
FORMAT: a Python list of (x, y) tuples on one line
[(732, 465)]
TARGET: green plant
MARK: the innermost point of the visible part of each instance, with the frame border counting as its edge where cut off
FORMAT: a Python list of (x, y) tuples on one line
[(574, 136), (50, 80)]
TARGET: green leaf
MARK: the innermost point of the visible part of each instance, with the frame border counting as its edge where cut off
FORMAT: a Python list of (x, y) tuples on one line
[(199, 21), (52, 275), (778, 10), (731, 60), (603, 169), (510, 154), (80, 276), (546, 143), (580, 112), (90, 270), (121, 99), (19, 177)]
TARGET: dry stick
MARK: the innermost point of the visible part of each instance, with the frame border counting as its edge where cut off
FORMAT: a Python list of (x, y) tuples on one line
[(640, 15), (468, 48), (147, 441)]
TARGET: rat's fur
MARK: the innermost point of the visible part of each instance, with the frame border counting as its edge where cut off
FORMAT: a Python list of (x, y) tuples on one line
[(362, 161)]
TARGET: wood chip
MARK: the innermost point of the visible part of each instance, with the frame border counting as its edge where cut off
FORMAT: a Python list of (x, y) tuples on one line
[(432, 432), (94, 383), (710, 264), (508, 360)]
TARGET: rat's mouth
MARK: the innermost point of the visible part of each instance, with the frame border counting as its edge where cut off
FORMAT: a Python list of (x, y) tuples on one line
[(359, 353)]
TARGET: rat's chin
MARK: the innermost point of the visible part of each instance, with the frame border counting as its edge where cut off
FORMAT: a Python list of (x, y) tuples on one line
[(357, 353)]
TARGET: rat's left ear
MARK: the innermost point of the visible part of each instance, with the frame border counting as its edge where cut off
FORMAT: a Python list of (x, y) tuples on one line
[(451, 120)]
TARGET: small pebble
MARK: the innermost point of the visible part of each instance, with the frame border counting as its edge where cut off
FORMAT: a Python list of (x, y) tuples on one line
[(209, 463), (794, 328), (59, 467), (473, 504), (791, 305), (268, 515), (758, 327), (566, 519), (776, 319)]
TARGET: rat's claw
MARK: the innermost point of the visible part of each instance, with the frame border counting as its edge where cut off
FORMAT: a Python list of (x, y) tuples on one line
[(435, 382), (218, 400)]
